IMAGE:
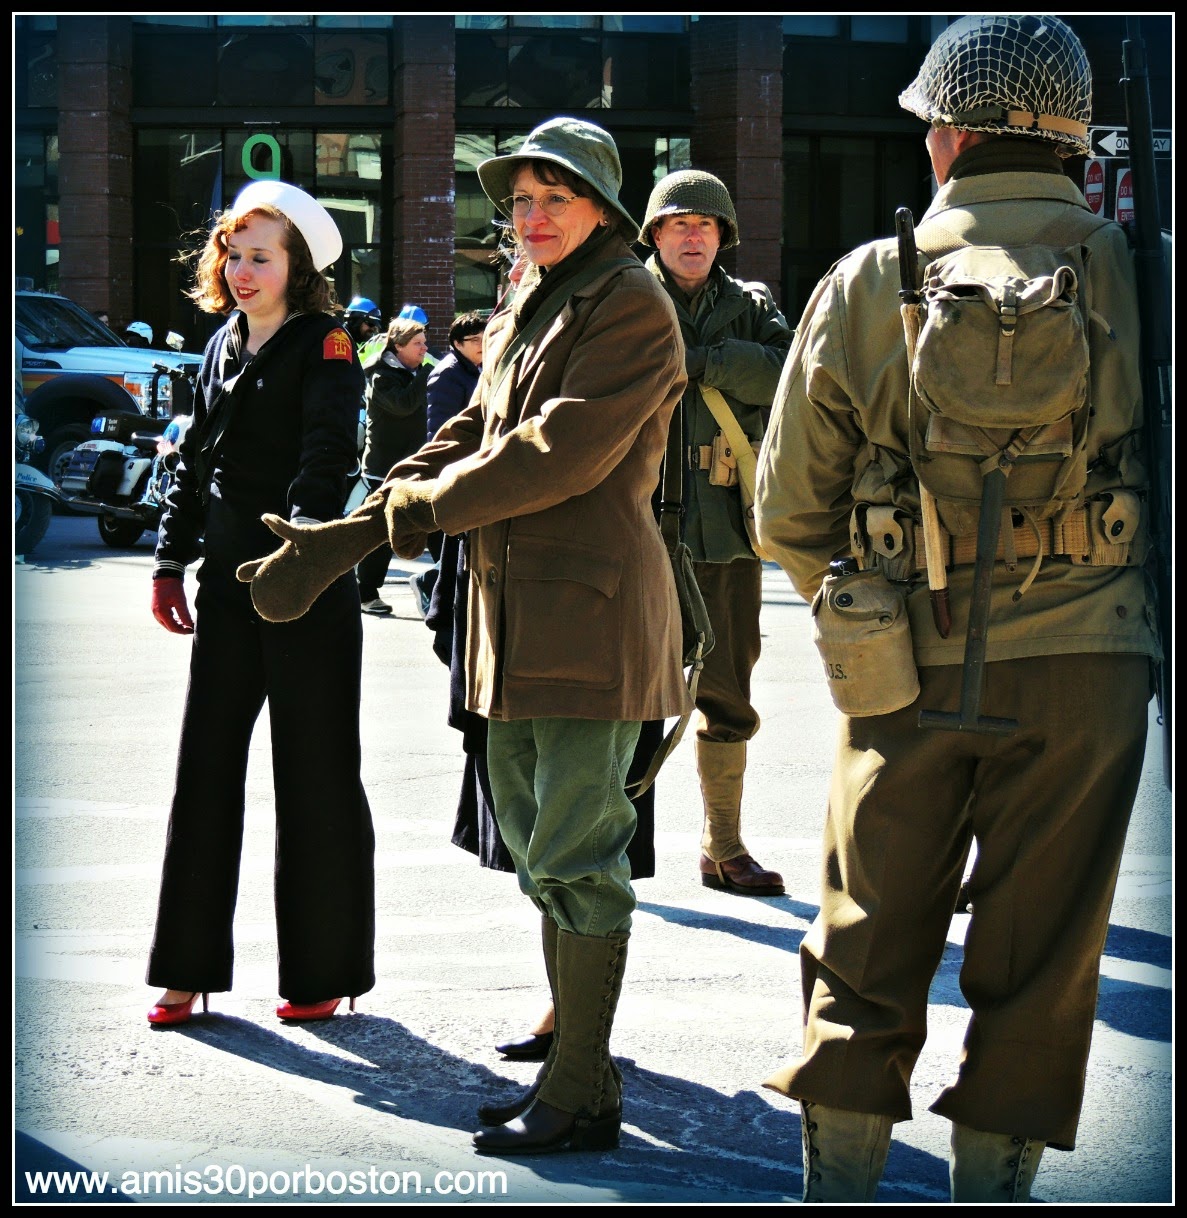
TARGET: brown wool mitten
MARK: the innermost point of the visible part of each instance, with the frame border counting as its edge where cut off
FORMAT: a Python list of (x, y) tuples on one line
[(285, 583), (410, 517)]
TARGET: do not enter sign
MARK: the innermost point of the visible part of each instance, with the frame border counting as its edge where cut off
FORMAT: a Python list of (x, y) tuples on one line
[(1094, 186), (1124, 213)]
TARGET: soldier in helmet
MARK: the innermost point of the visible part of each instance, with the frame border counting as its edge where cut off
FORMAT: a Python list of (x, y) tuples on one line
[(1047, 802), (736, 340)]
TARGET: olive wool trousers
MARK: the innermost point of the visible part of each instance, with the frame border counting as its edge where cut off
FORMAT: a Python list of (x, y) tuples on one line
[(1049, 807)]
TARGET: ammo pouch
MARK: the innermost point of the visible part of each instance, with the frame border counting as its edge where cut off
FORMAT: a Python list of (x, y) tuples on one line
[(883, 536), (718, 458), (863, 634)]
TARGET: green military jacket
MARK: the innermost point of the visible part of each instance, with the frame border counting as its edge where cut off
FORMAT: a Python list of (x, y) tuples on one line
[(747, 339)]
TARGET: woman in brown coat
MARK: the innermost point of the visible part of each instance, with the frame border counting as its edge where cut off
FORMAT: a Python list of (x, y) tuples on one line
[(573, 636)]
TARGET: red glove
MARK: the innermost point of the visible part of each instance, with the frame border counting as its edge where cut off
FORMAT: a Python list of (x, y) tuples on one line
[(169, 605)]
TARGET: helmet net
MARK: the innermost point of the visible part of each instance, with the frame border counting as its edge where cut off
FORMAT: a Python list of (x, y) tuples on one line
[(1016, 75)]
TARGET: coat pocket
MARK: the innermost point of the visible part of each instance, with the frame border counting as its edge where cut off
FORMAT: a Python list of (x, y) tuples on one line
[(564, 616)]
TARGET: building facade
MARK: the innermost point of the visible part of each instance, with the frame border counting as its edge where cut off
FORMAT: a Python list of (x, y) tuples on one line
[(130, 131)]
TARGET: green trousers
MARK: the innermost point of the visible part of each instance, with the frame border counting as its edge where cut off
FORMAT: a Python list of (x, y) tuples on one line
[(565, 818)]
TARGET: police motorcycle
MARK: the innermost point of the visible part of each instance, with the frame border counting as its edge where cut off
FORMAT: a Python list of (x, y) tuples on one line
[(35, 493), (123, 474)]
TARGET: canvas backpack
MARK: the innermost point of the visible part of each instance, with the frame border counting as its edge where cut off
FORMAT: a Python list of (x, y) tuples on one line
[(1000, 374)]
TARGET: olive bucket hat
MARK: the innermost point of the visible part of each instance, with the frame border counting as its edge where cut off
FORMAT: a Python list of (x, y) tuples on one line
[(691, 192), (580, 147)]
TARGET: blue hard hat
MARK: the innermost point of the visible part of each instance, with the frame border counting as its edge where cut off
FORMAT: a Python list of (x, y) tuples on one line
[(411, 312), (361, 306)]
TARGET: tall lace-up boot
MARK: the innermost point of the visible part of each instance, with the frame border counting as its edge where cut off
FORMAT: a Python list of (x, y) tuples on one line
[(579, 1103), (844, 1152), (992, 1166)]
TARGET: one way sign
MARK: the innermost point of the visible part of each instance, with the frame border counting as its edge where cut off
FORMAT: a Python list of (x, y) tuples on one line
[(1114, 141)]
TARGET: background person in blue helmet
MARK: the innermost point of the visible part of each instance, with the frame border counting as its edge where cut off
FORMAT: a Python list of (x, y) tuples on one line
[(363, 320)]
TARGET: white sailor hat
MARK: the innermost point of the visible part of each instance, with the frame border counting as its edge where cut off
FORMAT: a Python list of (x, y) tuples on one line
[(312, 220)]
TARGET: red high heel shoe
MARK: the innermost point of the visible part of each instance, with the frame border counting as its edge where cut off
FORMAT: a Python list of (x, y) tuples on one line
[(165, 1014), (307, 1012)]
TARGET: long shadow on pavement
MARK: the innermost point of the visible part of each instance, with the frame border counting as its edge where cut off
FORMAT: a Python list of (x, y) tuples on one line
[(680, 1138)]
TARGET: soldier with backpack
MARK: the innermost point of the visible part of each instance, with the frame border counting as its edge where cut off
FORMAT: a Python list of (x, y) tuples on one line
[(970, 397)]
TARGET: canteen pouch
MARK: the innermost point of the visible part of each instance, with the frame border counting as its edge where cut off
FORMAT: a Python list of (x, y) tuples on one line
[(863, 633)]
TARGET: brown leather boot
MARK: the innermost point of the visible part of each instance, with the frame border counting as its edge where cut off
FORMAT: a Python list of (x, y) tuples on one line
[(725, 862)]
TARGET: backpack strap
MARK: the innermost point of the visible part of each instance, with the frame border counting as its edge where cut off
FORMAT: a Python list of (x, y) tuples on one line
[(671, 511)]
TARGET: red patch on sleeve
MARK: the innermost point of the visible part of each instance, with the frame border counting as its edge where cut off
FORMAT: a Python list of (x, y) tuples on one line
[(337, 345)]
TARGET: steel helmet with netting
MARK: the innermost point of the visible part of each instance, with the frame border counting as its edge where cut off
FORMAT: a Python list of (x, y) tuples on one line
[(691, 192), (1007, 75)]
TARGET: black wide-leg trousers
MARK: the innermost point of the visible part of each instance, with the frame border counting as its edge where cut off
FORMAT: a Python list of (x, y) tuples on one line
[(309, 674)]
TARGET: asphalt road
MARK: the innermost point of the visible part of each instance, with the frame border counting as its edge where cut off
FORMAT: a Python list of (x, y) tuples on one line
[(371, 1106)]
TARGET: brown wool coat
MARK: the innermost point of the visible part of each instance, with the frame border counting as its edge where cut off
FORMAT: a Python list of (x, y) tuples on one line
[(572, 607)]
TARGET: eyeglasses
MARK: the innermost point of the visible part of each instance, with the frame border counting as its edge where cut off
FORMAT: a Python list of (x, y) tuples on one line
[(551, 205)]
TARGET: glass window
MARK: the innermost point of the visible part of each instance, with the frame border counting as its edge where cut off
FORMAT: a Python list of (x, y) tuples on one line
[(354, 21), (35, 207), (476, 271), (538, 21), (178, 184), (173, 19), (480, 22), (269, 153), (645, 74), (847, 193), (265, 68), (819, 26), (555, 72), (815, 78), (480, 64), (797, 192), (29, 158), (38, 72), (872, 28), (157, 81), (264, 19), (651, 23), (350, 69), (183, 177), (839, 193)]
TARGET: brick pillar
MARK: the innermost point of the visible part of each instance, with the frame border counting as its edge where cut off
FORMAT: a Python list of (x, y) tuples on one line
[(737, 133), (95, 163), (422, 221)]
